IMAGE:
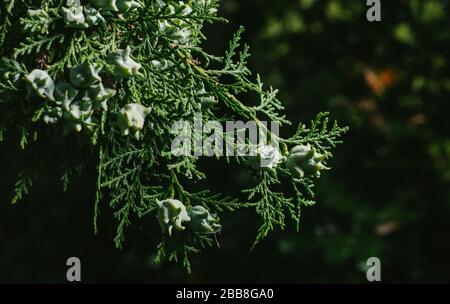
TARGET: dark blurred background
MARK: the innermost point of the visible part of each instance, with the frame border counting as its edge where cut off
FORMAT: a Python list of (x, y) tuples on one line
[(387, 195)]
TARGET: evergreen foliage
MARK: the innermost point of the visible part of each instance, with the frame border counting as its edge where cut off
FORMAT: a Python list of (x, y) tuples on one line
[(105, 80)]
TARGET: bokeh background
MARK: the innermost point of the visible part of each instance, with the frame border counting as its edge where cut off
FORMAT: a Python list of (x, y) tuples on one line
[(388, 194)]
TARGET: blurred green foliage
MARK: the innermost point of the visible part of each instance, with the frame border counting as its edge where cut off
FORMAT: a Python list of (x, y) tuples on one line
[(388, 194)]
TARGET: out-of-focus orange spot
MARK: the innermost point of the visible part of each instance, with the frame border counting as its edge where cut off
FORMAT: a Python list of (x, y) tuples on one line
[(418, 119), (387, 228), (367, 105), (380, 81)]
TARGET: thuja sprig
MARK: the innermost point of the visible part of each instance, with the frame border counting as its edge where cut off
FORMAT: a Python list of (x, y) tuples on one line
[(107, 79)]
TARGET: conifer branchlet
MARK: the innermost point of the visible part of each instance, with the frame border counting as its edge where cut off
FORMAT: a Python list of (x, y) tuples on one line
[(99, 70)]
